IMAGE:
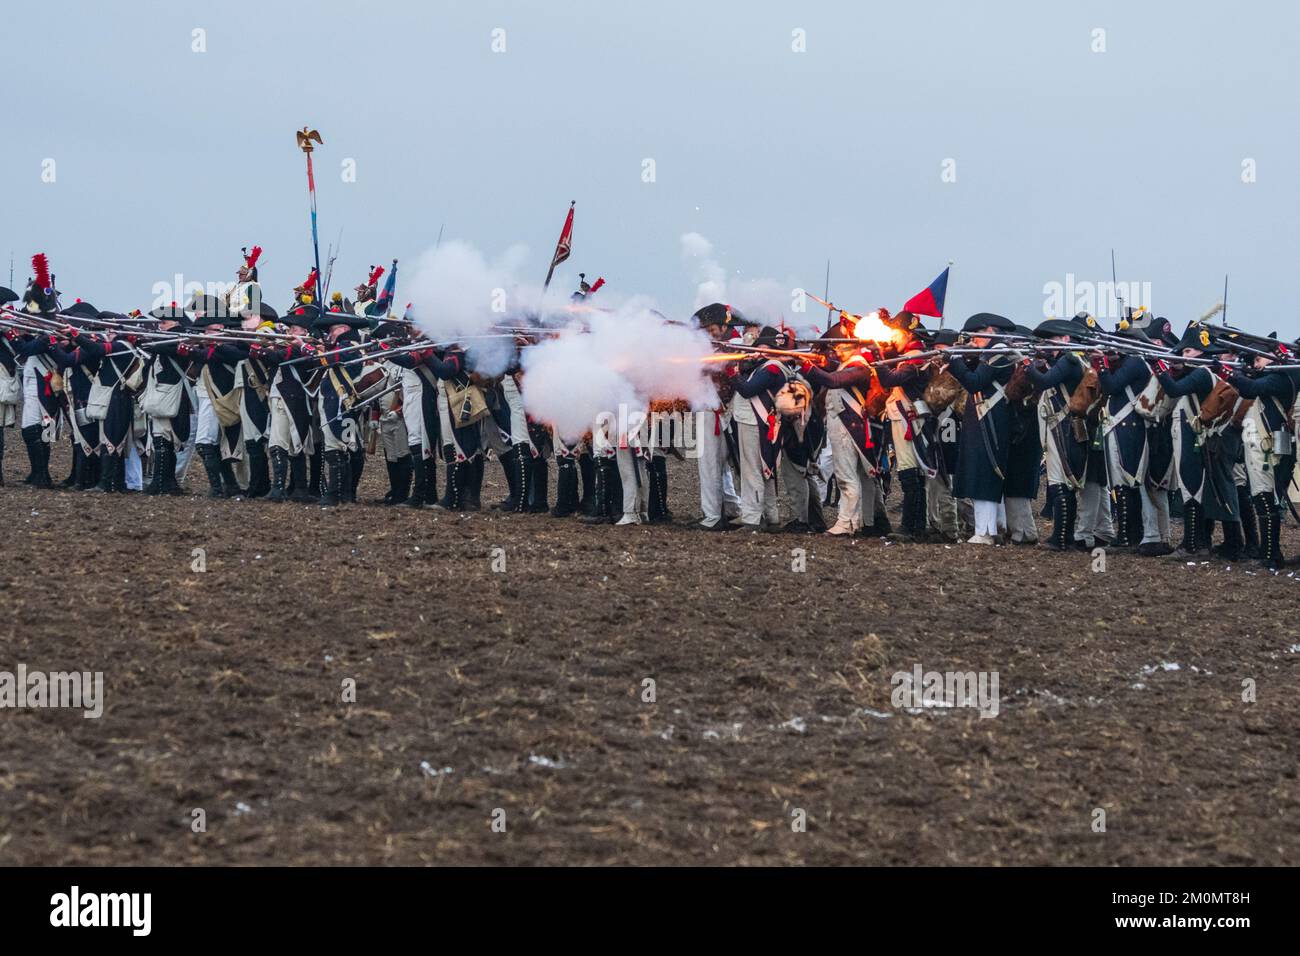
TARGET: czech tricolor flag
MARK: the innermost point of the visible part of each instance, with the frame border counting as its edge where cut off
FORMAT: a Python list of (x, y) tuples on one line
[(930, 301)]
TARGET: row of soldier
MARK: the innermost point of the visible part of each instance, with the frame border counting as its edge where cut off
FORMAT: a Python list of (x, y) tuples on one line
[(1125, 426)]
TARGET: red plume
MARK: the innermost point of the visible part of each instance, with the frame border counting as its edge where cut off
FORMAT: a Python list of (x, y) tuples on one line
[(375, 273), (250, 260), (42, 266), (310, 283), (596, 285)]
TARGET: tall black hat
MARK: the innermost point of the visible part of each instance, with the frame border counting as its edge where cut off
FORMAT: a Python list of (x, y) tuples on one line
[(1054, 327), (210, 310), (987, 320), (327, 320), (1198, 336), (82, 310), (171, 313)]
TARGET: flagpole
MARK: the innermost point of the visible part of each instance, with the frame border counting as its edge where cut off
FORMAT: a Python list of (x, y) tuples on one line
[(551, 271), (1225, 298), (945, 293), (827, 295), (305, 138)]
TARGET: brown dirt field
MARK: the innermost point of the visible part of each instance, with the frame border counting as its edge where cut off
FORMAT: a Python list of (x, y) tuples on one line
[(223, 692)]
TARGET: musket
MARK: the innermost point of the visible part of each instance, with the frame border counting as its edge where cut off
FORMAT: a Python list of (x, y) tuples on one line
[(364, 402), (348, 348)]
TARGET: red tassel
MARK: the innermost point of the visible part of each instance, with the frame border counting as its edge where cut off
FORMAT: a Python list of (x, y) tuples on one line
[(250, 260), (773, 426), (310, 284), (596, 285), (42, 266), (375, 273)]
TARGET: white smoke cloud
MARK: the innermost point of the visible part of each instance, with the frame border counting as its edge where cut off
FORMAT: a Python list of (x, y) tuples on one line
[(458, 294), (761, 299), (455, 291), (611, 352), (626, 357)]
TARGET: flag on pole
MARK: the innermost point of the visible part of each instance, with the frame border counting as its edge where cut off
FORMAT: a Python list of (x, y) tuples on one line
[(929, 301), (563, 247), (385, 301)]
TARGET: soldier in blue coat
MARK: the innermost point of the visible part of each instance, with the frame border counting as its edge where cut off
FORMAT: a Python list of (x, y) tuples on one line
[(1269, 447), (985, 444), (1203, 456)]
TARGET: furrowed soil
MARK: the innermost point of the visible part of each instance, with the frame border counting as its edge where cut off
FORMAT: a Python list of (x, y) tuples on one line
[(522, 692)]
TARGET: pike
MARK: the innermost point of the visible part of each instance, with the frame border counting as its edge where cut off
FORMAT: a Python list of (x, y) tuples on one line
[(305, 139), (331, 254)]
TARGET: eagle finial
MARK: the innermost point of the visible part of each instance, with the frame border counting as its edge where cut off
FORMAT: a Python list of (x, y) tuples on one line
[(306, 137)]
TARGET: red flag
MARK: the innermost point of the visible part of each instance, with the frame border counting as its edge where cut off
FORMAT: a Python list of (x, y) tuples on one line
[(929, 301), (563, 247)]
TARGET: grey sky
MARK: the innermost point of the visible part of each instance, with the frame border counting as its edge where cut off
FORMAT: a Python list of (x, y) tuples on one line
[(169, 160)]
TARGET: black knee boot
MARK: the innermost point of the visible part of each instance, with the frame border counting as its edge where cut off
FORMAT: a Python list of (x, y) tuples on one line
[(344, 490), (455, 480), (314, 476), (399, 481), (107, 471), (356, 465), (299, 485), (229, 483), (418, 465), (539, 485), (587, 470), (516, 463), (614, 486), (599, 497), (1133, 497), (39, 478), (211, 459), (913, 485), (167, 464), (1249, 528), (511, 470), (154, 487), (1049, 502), (1233, 546), (119, 474), (259, 482), (431, 481), (1270, 530), (473, 484), (2, 456), (464, 494), (1120, 515), (279, 474), (657, 508), (1194, 537), (85, 474), (1058, 541), (654, 498), (332, 479), (566, 488)]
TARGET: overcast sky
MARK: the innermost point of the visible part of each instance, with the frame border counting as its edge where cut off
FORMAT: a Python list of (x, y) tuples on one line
[(168, 160)]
